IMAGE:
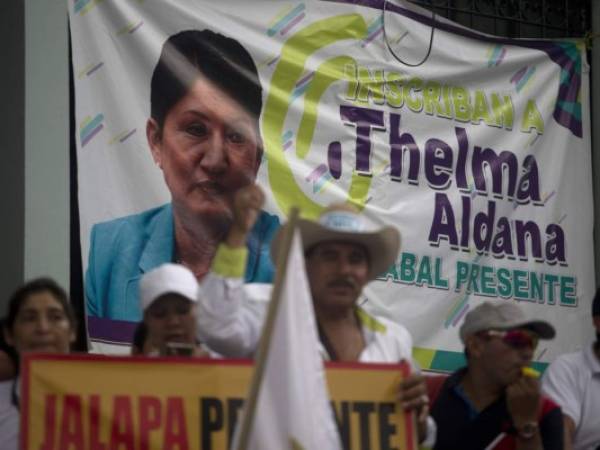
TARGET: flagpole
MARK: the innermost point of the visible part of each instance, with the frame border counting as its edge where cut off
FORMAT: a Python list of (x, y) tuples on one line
[(265, 340)]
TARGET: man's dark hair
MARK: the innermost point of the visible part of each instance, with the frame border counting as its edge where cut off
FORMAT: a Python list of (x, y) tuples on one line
[(188, 54), (36, 286)]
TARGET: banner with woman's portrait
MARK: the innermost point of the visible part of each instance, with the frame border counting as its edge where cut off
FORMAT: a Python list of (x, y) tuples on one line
[(477, 148)]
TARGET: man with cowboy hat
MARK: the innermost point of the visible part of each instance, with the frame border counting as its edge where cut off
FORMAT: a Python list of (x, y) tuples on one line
[(342, 255)]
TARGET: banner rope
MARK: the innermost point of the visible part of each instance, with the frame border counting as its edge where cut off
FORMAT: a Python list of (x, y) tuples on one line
[(387, 42)]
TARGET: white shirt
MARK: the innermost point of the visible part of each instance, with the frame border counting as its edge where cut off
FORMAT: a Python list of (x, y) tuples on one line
[(231, 314), (9, 418), (573, 381)]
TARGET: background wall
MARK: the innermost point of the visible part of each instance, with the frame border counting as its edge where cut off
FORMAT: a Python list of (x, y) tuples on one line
[(34, 232), (12, 172)]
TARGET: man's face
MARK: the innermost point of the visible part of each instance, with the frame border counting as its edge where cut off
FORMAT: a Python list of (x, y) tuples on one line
[(207, 149), (171, 318), (337, 273), (502, 354)]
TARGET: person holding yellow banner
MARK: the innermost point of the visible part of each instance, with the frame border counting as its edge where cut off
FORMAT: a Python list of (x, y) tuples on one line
[(342, 256), (39, 319)]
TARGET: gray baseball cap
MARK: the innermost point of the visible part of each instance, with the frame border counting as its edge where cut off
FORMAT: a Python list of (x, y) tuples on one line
[(502, 316)]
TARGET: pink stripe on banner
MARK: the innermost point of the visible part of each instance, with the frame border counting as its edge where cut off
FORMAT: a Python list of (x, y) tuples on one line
[(316, 174), (502, 55), (91, 135), (460, 315), (373, 36), (290, 25), (517, 76)]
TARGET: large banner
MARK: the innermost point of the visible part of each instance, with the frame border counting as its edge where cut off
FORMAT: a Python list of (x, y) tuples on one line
[(93, 402), (476, 147)]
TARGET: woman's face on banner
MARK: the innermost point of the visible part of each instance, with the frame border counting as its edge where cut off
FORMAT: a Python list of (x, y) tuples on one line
[(208, 148)]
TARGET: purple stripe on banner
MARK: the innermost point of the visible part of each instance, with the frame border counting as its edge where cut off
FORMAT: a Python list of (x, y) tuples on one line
[(549, 196), (287, 145), (93, 69), (307, 77), (316, 174), (460, 315), (127, 136), (111, 330), (89, 137), (373, 36), (518, 75), (502, 55), (290, 25), (134, 29)]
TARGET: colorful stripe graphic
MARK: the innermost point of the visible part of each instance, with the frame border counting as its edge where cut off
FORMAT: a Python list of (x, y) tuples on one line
[(374, 29), (548, 197), (90, 128), (302, 85), (287, 141), (130, 28), (89, 69), (286, 21), (402, 36), (319, 177), (84, 6), (457, 311), (496, 55), (522, 77), (533, 139), (122, 136)]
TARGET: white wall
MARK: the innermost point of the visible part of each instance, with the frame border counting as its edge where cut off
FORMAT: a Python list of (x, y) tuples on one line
[(46, 140)]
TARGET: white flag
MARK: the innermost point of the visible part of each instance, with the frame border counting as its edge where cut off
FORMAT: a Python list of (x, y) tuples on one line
[(293, 409)]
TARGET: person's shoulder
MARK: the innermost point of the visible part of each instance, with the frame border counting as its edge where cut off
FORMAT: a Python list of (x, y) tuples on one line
[(571, 362), (6, 388), (134, 226), (386, 328)]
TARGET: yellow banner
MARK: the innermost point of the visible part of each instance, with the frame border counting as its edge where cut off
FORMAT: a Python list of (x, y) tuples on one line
[(93, 402)]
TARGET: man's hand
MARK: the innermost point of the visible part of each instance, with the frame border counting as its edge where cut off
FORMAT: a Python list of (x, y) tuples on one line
[(412, 396), (247, 203), (523, 400)]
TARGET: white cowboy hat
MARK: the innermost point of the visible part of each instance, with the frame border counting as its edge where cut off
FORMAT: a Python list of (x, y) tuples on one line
[(343, 223)]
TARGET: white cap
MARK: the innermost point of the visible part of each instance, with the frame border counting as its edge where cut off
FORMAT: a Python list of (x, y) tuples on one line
[(168, 278)]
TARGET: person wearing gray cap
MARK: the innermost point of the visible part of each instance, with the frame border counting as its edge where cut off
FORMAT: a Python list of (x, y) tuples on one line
[(495, 401), (573, 381), (168, 297)]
